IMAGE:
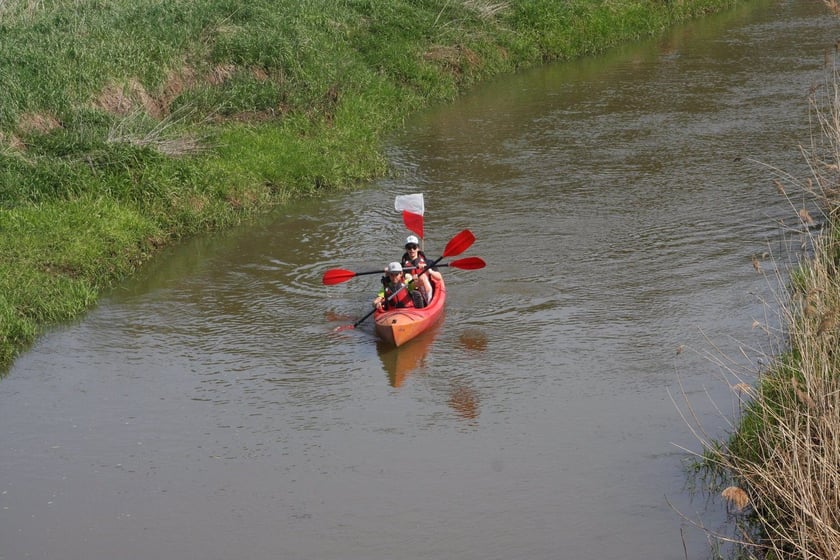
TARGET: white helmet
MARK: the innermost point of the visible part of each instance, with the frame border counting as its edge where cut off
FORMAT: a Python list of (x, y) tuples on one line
[(412, 240), (394, 267)]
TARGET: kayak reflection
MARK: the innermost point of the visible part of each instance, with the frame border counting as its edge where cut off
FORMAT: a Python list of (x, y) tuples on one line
[(400, 361)]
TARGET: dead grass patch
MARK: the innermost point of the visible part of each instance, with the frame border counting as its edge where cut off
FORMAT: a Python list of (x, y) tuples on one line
[(38, 123), (10, 141), (125, 99), (453, 58), (219, 74)]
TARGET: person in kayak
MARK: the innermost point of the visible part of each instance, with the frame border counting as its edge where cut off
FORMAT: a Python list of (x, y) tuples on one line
[(414, 257), (395, 284)]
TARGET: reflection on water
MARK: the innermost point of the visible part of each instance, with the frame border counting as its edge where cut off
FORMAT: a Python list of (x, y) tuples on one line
[(464, 400), (411, 359), (400, 362), (473, 339)]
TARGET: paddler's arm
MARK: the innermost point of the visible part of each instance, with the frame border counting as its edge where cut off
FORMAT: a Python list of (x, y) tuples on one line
[(379, 300)]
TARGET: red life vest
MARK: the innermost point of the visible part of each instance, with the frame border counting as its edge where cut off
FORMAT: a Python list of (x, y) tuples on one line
[(402, 299), (419, 263)]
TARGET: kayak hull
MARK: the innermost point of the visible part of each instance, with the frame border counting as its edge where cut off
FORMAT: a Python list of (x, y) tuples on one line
[(398, 326)]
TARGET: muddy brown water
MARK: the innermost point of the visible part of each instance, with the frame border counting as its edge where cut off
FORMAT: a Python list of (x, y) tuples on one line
[(207, 409)]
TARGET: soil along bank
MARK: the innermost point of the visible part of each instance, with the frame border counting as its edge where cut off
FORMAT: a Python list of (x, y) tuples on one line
[(127, 125)]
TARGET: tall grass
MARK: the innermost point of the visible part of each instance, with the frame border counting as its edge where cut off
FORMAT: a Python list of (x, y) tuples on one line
[(781, 464)]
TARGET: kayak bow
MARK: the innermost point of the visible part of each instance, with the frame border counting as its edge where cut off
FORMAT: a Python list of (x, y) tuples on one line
[(398, 326)]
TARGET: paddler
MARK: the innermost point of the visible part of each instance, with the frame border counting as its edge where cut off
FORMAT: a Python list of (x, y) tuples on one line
[(414, 257), (396, 290)]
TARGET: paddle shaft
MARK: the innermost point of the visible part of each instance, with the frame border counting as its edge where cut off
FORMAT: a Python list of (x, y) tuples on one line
[(467, 263), (339, 275)]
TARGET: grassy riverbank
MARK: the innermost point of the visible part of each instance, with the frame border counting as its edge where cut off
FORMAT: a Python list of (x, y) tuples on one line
[(127, 124), (781, 465)]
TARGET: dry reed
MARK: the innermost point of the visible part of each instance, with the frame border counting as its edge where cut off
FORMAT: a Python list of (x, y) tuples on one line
[(781, 464)]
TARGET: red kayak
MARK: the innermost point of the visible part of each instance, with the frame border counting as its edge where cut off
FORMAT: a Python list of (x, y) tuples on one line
[(398, 326)]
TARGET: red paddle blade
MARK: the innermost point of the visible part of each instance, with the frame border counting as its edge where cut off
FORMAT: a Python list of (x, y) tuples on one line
[(458, 244), (469, 263), (337, 276)]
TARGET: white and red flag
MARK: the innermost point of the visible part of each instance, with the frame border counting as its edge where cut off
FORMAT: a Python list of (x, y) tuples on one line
[(412, 208)]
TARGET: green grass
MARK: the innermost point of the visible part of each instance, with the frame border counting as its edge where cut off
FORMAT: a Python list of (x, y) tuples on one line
[(127, 124)]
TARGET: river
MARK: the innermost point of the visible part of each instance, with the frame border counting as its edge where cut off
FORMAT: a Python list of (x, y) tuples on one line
[(208, 408)]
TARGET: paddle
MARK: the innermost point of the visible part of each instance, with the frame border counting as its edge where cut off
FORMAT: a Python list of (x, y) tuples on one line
[(339, 275), (467, 263), (457, 245)]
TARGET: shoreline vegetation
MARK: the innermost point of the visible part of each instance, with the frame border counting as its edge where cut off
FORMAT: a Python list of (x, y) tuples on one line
[(126, 125), (778, 470)]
